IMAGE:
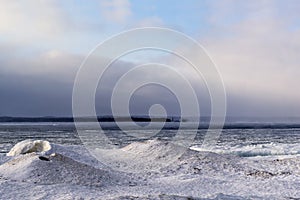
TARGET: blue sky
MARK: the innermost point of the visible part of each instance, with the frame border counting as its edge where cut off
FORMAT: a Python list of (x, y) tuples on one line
[(255, 44), (86, 23)]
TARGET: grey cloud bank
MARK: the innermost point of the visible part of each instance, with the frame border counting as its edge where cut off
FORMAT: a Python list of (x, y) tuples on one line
[(49, 92)]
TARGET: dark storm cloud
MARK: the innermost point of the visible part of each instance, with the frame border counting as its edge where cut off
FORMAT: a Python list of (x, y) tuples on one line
[(34, 96), (43, 87)]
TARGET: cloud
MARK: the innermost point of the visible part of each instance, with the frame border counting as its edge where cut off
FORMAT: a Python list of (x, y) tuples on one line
[(258, 55), (53, 64), (34, 96), (47, 24), (153, 21), (255, 44), (117, 11), (31, 19), (42, 85)]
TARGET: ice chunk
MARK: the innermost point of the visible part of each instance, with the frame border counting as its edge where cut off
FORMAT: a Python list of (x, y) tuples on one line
[(29, 146)]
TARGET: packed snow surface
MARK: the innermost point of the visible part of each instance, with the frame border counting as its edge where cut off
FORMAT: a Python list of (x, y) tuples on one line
[(144, 170)]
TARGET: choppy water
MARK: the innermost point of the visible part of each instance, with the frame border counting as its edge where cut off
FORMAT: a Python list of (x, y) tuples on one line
[(246, 139)]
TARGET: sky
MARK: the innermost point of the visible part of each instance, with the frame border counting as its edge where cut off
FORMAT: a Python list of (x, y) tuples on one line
[(255, 45)]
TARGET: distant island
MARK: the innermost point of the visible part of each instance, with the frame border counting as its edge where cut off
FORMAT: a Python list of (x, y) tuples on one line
[(89, 119)]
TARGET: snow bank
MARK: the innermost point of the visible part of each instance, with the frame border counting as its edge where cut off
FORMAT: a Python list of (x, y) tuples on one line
[(139, 157), (29, 146), (59, 169), (67, 172)]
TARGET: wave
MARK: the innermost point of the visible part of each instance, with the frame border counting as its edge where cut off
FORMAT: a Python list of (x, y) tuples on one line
[(271, 149)]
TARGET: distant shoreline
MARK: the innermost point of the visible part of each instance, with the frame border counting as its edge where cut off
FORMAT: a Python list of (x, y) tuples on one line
[(174, 122), (89, 119)]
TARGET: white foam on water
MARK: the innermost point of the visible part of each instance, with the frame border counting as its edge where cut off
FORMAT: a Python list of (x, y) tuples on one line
[(271, 149)]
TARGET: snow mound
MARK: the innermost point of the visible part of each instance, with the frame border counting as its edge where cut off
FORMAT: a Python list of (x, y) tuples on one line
[(141, 157), (155, 149), (58, 169), (157, 157), (29, 146), (78, 153)]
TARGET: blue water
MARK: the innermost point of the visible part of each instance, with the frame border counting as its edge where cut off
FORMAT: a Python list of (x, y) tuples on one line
[(236, 135)]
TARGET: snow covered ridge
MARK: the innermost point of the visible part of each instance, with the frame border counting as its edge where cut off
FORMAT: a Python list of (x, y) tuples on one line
[(34, 161), (70, 172)]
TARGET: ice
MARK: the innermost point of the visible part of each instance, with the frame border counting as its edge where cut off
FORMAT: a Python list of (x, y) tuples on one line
[(271, 149), (29, 146), (70, 172)]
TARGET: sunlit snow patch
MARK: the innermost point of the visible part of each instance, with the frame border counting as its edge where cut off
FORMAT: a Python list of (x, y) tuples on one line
[(29, 146)]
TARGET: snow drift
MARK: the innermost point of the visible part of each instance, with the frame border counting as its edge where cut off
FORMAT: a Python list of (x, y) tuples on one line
[(57, 169)]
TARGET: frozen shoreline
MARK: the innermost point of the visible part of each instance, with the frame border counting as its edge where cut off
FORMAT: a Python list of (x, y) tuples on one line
[(71, 173)]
